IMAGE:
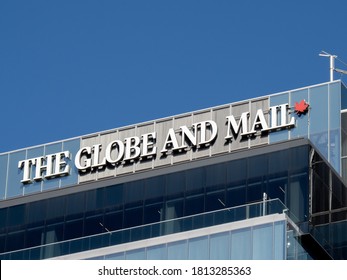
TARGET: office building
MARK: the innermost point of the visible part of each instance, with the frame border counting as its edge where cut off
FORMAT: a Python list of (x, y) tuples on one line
[(257, 179)]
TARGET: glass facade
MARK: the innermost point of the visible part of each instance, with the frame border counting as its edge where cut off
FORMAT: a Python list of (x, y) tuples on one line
[(264, 242), (11, 176), (321, 124), (282, 174), (305, 177)]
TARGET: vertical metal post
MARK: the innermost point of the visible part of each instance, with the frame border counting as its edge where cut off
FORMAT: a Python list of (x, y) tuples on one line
[(264, 203), (332, 67)]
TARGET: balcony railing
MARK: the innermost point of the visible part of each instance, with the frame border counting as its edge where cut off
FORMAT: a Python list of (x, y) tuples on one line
[(157, 229)]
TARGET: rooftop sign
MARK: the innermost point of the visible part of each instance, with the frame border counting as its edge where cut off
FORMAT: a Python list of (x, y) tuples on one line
[(152, 144)]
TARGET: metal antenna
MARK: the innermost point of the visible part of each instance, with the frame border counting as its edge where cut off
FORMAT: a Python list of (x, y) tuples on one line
[(332, 65)]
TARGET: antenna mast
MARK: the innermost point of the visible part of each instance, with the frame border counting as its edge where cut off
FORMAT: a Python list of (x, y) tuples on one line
[(332, 65)]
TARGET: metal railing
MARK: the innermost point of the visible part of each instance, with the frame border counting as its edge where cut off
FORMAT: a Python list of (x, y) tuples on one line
[(147, 231)]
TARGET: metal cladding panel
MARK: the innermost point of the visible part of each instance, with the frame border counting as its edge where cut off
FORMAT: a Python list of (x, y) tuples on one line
[(162, 128), (218, 115), (239, 142), (186, 153), (88, 176), (129, 165), (202, 150), (260, 138), (105, 140), (146, 162)]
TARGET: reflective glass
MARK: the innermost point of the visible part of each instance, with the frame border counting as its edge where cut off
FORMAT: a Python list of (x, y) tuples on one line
[(117, 256), (154, 189), (35, 186), (344, 134), (195, 181), (72, 146), (334, 124), (278, 100), (302, 120), (198, 248), (343, 97), (51, 149), (15, 175), (262, 242), (318, 97), (241, 244), (157, 252), (220, 246), (177, 250), (279, 240), (3, 175)]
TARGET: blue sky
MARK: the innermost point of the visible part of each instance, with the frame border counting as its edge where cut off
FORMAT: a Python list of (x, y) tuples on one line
[(69, 68)]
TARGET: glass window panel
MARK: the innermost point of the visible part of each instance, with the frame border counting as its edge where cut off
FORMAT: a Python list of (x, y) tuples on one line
[(344, 133), (236, 195), (153, 213), (318, 97), (73, 229), (35, 186), (114, 197), (194, 205), (113, 220), (133, 217), (215, 177), (36, 213), (220, 246), (280, 240), (54, 182), (282, 134), (34, 237), (195, 181), (343, 97), (175, 185), (198, 248), (241, 244), (134, 192), (55, 209), (302, 121), (257, 166), (3, 175), (299, 158), (334, 125), (154, 189), (138, 254), (276, 188), (215, 201), (15, 240), (157, 252), (72, 146), (344, 168), (237, 172), (53, 233), (117, 256), (263, 242), (255, 191), (75, 205), (15, 175), (3, 219), (297, 196), (16, 215), (177, 250), (279, 163), (2, 244), (94, 225)]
